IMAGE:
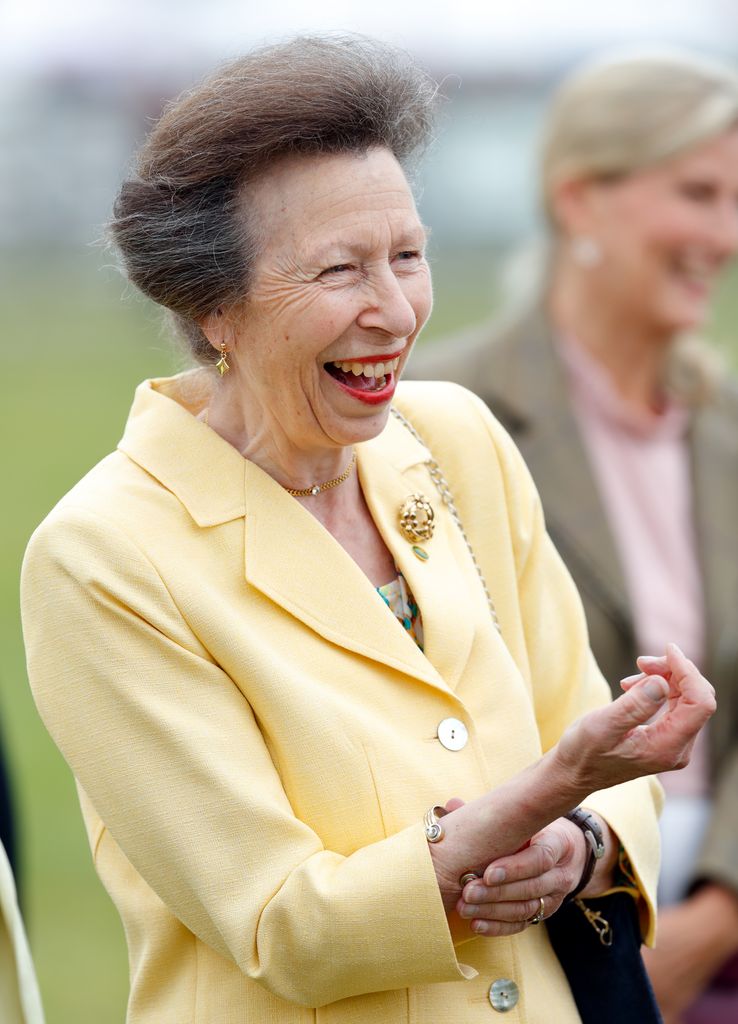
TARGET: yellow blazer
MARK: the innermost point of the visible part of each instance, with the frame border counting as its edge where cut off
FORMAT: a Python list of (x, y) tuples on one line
[(255, 736)]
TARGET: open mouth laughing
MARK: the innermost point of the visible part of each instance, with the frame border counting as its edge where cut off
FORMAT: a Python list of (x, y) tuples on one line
[(372, 380)]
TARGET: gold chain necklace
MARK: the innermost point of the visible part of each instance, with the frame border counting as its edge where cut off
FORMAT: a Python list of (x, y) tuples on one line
[(308, 492), (305, 492)]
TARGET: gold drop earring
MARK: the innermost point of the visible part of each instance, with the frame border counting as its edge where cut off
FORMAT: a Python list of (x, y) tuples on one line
[(222, 365)]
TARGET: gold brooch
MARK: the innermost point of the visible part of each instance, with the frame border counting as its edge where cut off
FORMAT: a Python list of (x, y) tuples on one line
[(417, 518)]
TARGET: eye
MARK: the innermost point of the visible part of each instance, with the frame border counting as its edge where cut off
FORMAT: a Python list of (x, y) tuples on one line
[(698, 191), (340, 268), (409, 256)]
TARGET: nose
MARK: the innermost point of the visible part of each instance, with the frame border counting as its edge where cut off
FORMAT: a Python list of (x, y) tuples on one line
[(388, 307)]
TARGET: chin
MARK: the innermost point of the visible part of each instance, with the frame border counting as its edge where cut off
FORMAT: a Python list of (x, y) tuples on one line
[(347, 432), (682, 316)]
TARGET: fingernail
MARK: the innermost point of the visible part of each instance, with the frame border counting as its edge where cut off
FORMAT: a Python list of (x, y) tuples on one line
[(656, 690), (479, 926), (475, 893), (632, 679), (469, 910), (677, 648), (495, 876)]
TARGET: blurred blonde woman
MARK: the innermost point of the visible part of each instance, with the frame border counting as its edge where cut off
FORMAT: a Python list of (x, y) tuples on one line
[(632, 438)]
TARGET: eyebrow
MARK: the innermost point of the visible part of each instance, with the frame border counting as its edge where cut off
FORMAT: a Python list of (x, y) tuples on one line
[(414, 238)]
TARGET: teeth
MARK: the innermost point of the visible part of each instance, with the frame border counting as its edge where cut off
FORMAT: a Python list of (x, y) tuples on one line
[(376, 370)]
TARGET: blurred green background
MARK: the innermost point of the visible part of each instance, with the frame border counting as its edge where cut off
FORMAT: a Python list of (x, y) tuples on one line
[(75, 344)]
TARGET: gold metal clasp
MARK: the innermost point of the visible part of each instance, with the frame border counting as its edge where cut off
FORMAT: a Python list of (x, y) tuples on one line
[(600, 924)]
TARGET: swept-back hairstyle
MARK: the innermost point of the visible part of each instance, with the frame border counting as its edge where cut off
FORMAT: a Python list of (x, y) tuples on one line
[(624, 113), (182, 221)]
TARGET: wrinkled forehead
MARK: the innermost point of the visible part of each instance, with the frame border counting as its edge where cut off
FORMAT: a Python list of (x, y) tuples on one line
[(305, 196)]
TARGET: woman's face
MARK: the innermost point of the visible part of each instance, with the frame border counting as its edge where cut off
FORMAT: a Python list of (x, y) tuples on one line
[(665, 232), (340, 291)]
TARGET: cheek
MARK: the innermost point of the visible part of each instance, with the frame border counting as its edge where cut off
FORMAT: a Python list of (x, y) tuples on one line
[(330, 313), (419, 294)]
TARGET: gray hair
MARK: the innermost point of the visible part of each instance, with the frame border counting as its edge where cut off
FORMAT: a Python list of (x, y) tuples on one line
[(182, 222)]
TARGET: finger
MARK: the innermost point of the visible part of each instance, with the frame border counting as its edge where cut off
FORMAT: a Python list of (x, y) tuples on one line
[(685, 671), (634, 707), (695, 701), (495, 929), (454, 803), (554, 883), (510, 911), (651, 664), (543, 853), (629, 681), (651, 657), (693, 696)]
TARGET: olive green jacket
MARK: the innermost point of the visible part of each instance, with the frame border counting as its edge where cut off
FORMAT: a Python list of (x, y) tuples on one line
[(516, 371)]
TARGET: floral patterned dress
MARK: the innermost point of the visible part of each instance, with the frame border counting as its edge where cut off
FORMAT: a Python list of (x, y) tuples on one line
[(400, 601)]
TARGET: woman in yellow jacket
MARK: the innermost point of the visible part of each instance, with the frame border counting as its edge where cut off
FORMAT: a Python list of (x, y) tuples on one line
[(301, 615)]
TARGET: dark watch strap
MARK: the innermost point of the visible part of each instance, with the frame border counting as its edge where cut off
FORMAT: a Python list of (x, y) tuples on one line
[(595, 846)]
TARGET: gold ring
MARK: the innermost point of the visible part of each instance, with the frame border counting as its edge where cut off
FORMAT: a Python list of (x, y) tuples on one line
[(538, 917)]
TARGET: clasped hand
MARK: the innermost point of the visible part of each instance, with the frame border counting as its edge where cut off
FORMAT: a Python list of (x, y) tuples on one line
[(650, 728), (534, 881)]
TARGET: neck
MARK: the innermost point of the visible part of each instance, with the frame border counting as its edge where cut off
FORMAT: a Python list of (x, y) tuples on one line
[(633, 352), (260, 438)]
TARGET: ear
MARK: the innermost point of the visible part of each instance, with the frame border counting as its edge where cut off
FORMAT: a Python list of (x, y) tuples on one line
[(575, 206), (215, 327)]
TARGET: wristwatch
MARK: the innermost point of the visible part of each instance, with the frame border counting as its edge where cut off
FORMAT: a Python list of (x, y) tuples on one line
[(595, 846)]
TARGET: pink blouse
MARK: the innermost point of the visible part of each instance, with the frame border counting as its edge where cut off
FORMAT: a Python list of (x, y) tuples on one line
[(640, 462)]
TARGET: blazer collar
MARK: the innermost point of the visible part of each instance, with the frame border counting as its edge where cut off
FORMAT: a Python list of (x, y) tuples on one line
[(289, 556), (163, 436), (526, 381)]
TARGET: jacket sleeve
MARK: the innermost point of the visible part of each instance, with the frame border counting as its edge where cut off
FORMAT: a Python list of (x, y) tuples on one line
[(545, 629), (169, 753)]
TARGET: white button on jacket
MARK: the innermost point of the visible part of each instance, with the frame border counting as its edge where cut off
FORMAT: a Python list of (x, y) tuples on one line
[(452, 734)]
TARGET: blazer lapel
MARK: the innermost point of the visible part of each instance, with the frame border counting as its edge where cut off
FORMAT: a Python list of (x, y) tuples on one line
[(528, 384), (392, 468), (290, 556), (293, 559), (714, 450), (296, 562)]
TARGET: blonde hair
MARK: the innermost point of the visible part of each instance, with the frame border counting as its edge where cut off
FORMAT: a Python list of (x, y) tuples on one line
[(627, 112)]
